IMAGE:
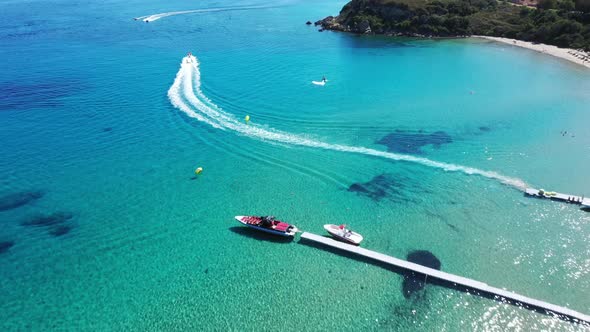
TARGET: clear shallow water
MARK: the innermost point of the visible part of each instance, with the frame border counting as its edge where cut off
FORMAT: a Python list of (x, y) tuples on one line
[(86, 120)]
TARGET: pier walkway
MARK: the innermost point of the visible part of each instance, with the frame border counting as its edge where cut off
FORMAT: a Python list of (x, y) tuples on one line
[(470, 283), (584, 201)]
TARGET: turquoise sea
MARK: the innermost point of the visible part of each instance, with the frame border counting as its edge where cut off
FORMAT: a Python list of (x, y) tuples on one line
[(419, 145)]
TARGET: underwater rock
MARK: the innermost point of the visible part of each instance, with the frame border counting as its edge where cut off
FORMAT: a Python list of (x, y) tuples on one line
[(22, 94), (485, 129), (60, 230), (379, 187), (411, 142), (374, 189), (415, 282), (424, 258), (438, 216), (48, 220), (453, 227), (375, 193), (12, 201), (5, 245), (105, 130)]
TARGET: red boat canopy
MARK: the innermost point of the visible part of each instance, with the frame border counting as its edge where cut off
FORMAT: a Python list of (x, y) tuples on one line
[(251, 220), (281, 226)]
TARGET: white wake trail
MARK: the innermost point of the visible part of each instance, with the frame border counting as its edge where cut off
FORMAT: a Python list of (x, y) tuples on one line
[(203, 109), (155, 17), (175, 96)]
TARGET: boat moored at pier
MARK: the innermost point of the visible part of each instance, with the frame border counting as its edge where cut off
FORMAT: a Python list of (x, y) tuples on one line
[(268, 224)]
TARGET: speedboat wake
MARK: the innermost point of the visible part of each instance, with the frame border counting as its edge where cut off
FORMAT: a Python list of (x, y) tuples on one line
[(186, 95), (155, 17)]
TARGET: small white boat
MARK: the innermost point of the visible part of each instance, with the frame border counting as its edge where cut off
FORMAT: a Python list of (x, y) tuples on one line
[(343, 234), (319, 82)]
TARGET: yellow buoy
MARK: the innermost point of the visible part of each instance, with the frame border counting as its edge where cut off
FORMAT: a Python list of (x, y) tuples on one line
[(247, 118), (199, 170)]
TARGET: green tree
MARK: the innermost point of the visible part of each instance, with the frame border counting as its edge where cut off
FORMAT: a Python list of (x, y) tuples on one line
[(524, 11), (566, 5), (583, 5), (547, 4)]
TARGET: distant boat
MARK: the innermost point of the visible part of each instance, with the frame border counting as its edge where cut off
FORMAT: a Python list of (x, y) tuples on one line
[(268, 224), (343, 234), (322, 82)]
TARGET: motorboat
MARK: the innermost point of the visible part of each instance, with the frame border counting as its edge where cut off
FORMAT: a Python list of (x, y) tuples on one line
[(268, 224), (340, 232)]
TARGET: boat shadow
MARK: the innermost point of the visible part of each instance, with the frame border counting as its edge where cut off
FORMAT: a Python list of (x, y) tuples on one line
[(260, 236), (436, 282)]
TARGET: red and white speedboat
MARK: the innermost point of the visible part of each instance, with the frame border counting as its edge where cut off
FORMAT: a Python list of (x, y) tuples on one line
[(268, 224)]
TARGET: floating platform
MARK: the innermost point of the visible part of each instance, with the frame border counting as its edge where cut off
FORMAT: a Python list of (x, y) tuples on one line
[(549, 308), (573, 199)]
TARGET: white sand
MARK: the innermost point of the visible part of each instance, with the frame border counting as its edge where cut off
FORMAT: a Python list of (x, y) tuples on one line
[(564, 53)]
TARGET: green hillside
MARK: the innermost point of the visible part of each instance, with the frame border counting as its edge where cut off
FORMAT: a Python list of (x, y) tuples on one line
[(562, 23)]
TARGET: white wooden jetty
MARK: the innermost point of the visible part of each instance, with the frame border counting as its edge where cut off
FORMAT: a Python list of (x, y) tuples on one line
[(574, 199), (470, 283)]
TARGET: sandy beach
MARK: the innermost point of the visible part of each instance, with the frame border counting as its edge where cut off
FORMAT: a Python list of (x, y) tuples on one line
[(564, 53)]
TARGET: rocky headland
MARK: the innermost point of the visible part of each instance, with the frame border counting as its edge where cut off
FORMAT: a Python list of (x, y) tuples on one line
[(563, 23)]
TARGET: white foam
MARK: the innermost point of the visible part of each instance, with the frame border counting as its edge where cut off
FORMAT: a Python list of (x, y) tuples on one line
[(203, 109), (176, 99), (155, 17)]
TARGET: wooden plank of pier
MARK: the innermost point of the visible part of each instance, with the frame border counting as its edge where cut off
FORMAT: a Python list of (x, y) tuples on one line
[(474, 284)]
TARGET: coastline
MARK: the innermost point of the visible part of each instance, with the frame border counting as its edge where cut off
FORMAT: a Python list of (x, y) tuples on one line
[(563, 53), (575, 56)]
